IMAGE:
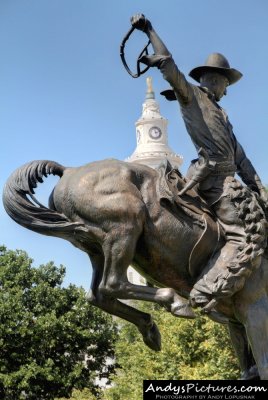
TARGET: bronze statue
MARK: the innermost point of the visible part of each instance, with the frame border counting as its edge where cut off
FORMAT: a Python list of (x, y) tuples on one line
[(121, 214), (199, 241), (213, 174)]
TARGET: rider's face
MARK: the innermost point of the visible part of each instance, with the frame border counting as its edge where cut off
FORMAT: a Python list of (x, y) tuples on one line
[(216, 83)]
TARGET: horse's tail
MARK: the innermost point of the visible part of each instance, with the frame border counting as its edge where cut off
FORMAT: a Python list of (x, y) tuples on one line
[(24, 208)]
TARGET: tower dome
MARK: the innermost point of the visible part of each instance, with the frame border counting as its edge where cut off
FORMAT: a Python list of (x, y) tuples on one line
[(151, 134), (152, 148)]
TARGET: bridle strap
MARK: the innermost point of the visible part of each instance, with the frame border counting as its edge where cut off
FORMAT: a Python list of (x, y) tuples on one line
[(143, 52)]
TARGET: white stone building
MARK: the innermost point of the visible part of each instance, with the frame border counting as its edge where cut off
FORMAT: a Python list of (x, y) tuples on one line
[(152, 147), (152, 136)]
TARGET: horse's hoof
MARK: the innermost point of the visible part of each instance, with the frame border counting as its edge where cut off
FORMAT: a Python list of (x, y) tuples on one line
[(183, 310), (250, 374), (90, 297), (152, 337)]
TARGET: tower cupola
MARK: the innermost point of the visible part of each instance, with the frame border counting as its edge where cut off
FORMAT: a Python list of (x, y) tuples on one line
[(152, 136)]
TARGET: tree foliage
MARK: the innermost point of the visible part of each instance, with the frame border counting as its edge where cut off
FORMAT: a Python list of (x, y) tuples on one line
[(191, 349), (84, 394), (46, 331)]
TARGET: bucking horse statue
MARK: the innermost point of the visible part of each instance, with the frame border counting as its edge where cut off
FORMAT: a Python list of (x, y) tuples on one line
[(124, 214)]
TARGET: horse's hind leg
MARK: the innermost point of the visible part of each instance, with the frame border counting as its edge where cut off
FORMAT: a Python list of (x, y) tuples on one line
[(142, 320), (119, 252)]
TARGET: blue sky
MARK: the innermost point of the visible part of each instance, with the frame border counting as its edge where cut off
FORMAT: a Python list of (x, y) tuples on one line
[(65, 96)]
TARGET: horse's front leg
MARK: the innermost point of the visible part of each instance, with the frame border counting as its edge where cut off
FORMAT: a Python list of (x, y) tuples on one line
[(257, 332), (119, 253), (251, 308), (143, 321), (243, 351)]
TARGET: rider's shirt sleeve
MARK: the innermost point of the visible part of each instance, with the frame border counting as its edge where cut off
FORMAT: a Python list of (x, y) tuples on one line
[(176, 79), (244, 168)]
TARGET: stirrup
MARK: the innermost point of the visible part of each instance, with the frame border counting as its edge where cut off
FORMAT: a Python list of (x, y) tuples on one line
[(213, 314), (209, 306)]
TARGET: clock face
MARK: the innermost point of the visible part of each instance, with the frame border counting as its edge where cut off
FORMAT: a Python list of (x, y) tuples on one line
[(155, 132)]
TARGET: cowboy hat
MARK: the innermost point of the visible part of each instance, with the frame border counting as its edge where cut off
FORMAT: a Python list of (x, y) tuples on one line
[(215, 62)]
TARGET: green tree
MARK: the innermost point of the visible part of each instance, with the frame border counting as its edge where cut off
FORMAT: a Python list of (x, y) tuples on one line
[(84, 394), (51, 339), (191, 349)]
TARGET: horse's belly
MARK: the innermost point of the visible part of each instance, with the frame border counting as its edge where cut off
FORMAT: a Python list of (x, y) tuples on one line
[(173, 254)]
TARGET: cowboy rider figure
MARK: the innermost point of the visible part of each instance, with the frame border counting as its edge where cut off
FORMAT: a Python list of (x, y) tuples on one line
[(221, 156)]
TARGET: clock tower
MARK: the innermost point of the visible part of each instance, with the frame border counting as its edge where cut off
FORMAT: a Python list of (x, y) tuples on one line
[(152, 148), (151, 134)]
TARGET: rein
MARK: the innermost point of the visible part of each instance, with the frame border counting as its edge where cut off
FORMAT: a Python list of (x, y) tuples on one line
[(143, 52)]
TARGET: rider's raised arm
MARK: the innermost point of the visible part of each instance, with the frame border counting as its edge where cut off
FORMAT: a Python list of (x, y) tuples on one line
[(163, 60)]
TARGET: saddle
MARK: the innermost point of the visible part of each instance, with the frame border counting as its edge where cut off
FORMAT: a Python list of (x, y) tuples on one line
[(169, 185)]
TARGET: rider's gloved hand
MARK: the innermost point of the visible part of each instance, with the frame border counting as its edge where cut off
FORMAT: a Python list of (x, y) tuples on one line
[(262, 191), (264, 196), (139, 22)]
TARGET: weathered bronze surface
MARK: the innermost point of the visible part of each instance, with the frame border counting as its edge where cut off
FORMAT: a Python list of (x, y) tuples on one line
[(121, 214), (200, 241)]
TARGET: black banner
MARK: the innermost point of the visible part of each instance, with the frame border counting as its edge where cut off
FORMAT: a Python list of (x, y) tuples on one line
[(204, 390)]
